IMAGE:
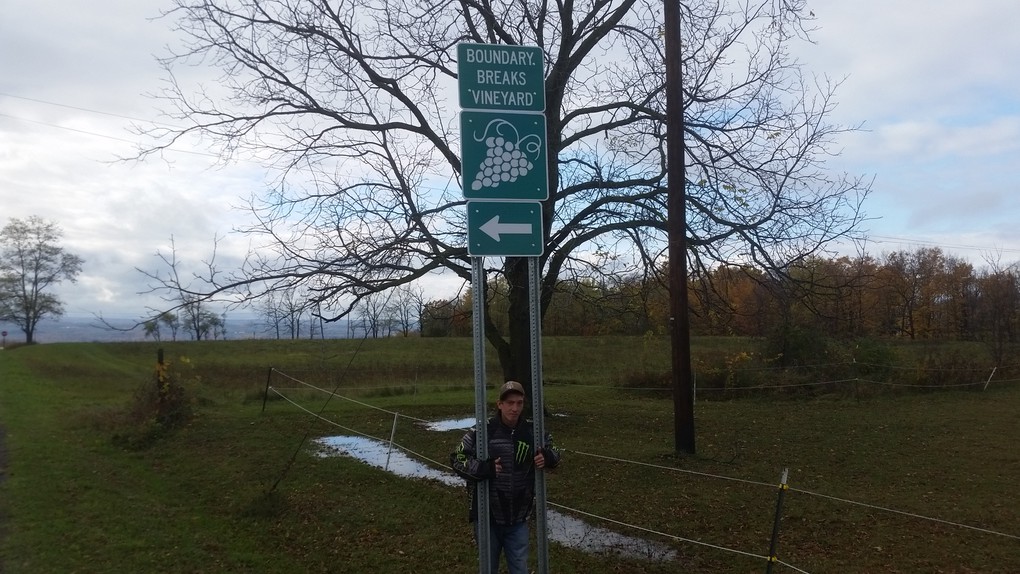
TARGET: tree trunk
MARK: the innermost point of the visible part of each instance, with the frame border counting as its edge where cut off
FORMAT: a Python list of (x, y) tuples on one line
[(518, 368)]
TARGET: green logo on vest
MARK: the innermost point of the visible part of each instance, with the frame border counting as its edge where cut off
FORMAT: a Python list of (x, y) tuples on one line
[(522, 451)]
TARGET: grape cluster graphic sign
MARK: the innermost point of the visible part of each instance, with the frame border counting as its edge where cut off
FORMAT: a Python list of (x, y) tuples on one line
[(504, 152), (503, 156)]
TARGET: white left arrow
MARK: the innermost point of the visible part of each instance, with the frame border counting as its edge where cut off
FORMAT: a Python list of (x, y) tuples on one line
[(493, 228)]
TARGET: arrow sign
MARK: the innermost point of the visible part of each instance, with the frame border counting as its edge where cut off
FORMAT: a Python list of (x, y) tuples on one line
[(493, 228), (504, 229)]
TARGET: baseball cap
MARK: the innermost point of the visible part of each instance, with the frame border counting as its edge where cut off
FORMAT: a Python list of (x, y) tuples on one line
[(511, 387)]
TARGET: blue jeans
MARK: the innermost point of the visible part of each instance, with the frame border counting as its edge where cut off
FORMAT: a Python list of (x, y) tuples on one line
[(512, 541)]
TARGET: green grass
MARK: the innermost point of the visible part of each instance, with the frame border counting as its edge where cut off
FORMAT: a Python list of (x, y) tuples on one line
[(200, 500)]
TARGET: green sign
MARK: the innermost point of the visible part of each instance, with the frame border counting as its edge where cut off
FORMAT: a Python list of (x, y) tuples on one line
[(504, 156), (504, 229), (501, 77)]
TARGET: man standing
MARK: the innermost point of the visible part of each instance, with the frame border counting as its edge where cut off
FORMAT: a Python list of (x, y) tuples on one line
[(510, 473)]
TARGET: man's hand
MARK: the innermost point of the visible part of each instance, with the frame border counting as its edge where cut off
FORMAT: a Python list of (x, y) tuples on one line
[(540, 460), (498, 465)]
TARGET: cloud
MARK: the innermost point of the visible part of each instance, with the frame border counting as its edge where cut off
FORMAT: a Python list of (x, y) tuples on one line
[(928, 140), (91, 54), (917, 58)]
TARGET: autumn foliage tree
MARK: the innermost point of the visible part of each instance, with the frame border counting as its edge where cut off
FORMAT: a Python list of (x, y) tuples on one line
[(847, 298)]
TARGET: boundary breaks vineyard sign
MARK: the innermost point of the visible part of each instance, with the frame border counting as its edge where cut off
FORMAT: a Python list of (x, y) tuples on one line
[(499, 77), (504, 152)]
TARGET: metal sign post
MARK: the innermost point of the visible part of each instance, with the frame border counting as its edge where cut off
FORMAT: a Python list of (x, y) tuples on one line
[(538, 413), (481, 420)]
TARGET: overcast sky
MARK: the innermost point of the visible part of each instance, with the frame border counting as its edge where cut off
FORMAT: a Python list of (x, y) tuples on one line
[(934, 85)]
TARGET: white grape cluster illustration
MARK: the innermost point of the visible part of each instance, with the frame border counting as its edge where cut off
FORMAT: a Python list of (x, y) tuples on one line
[(506, 155)]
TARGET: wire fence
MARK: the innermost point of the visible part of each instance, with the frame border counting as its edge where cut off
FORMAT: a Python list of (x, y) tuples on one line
[(849, 382), (984, 382), (770, 559)]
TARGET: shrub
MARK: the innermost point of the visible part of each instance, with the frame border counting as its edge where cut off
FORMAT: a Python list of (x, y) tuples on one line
[(159, 406)]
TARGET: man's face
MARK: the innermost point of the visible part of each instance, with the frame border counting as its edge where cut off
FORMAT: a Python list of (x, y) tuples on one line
[(510, 408)]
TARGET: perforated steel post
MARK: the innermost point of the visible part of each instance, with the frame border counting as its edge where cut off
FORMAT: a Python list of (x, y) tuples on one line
[(481, 428), (538, 413)]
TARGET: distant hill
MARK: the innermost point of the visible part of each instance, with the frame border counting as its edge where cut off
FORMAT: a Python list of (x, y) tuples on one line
[(91, 330)]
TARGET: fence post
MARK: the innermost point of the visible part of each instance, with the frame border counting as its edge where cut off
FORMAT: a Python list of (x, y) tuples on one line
[(265, 394), (160, 367), (992, 374), (393, 434), (783, 487), (161, 382)]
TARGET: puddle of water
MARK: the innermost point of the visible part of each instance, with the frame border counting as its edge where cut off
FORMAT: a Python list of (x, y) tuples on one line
[(379, 454), (561, 528), (451, 424), (580, 535), (464, 423)]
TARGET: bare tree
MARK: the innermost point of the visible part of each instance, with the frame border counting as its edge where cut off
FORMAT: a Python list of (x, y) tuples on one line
[(204, 324), (407, 307), (151, 329), (172, 322), (31, 263), (375, 312), (187, 293), (284, 311), (352, 101), (272, 314), (996, 309)]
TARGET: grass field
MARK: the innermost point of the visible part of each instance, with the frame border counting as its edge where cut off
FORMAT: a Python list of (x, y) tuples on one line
[(87, 488)]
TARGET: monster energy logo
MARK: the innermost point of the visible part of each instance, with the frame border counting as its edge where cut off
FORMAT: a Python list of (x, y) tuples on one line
[(522, 451)]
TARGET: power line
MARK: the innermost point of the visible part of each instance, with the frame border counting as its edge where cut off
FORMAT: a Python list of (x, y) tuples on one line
[(92, 111), (103, 136), (81, 109), (905, 240), (99, 135), (76, 130)]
